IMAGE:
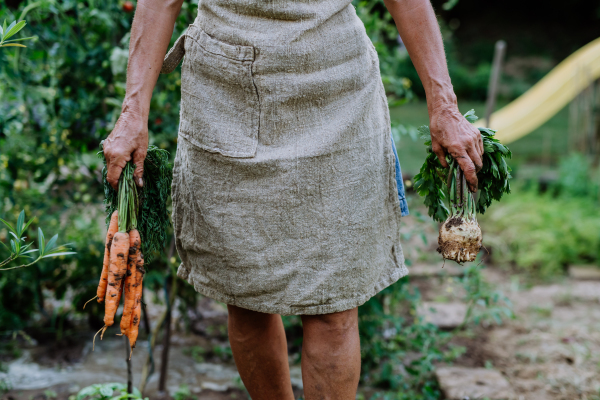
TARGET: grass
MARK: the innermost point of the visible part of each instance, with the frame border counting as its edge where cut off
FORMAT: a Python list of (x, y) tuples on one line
[(544, 145)]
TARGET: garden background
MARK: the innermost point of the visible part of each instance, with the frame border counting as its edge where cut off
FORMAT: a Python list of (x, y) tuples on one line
[(61, 96)]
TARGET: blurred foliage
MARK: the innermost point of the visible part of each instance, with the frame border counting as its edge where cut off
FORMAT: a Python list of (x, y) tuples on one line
[(106, 391), (543, 233), (58, 99)]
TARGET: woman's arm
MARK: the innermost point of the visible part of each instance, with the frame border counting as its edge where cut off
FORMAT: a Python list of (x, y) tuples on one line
[(450, 131), (150, 36)]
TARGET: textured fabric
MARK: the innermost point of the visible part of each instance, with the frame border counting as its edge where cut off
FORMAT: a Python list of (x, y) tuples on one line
[(400, 182), (285, 197)]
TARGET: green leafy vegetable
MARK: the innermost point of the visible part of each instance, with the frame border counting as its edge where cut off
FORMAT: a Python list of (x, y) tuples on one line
[(152, 216), (444, 193)]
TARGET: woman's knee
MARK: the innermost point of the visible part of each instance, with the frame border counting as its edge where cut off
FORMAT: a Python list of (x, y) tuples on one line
[(244, 324), (336, 324)]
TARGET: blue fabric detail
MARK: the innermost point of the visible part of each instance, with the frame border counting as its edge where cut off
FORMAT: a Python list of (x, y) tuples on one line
[(400, 183)]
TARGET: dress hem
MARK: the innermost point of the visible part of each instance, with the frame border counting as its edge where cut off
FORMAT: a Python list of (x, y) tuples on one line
[(344, 305)]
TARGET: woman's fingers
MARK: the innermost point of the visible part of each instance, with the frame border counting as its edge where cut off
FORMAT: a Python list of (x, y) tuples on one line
[(440, 153), (115, 166), (475, 157), (468, 168), (138, 159)]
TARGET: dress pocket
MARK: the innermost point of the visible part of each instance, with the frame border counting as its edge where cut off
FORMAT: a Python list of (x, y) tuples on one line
[(219, 101)]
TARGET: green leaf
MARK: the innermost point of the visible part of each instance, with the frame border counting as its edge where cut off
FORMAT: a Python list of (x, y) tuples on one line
[(20, 222), (15, 236), (106, 391), (470, 116), (41, 241), (14, 29), (64, 253), (9, 226), (4, 28), (13, 45), (21, 39), (29, 251), (27, 224), (51, 244), (7, 29)]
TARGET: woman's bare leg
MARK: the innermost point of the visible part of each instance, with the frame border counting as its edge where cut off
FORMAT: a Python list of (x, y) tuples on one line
[(260, 352), (331, 356)]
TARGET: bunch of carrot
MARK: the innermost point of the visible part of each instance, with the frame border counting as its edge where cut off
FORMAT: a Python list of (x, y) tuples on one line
[(138, 221), (123, 267)]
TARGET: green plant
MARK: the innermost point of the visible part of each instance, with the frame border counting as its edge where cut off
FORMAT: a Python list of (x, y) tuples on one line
[(382, 31), (541, 233), (184, 393), (484, 304), (20, 249), (575, 177), (437, 184), (198, 354), (6, 32), (106, 391)]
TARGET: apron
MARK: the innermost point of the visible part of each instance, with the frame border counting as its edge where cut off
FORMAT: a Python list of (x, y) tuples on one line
[(287, 193)]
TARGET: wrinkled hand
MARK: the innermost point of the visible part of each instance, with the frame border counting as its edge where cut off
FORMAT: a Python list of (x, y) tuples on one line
[(129, 139), (452, 134)]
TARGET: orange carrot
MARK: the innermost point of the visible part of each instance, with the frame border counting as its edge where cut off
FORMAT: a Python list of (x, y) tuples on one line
[(113, 227), (132, 332), (116, 273), (130, 280)]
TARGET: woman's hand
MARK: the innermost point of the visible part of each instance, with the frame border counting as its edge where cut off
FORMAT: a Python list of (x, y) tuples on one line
[(452, 134), (150, 35), (129, 140)]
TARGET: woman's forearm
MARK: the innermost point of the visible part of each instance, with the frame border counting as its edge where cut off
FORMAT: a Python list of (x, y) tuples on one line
[(419, 30), (150, 36), (451, 133)]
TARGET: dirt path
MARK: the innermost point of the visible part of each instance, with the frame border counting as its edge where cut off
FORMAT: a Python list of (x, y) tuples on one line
[(551, 350)]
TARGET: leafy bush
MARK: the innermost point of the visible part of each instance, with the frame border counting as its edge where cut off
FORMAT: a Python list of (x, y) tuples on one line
[(541, 233), (59, 98), (575, 177), (105, 391)]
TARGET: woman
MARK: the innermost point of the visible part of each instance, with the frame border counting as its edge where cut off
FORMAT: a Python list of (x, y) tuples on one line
[(285, 195)]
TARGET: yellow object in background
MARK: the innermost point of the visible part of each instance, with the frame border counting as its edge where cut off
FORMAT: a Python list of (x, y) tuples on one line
[(548, 96)]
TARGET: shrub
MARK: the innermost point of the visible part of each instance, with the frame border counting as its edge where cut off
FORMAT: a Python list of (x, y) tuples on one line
[(542, 234)]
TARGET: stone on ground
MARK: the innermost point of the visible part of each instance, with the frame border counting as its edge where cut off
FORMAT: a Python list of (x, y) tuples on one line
[(427, 270), (460, 383), (584, 272), (443, 315)]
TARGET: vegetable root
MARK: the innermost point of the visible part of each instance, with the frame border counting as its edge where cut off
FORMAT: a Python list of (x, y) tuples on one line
[(118, 268), (112, 229), (459, 239), (132, 332), (130, 282)]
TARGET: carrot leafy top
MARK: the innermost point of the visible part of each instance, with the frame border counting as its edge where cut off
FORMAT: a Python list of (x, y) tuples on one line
[(144, 209)]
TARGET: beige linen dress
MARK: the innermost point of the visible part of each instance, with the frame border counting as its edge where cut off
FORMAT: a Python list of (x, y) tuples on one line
[(284, 192)]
